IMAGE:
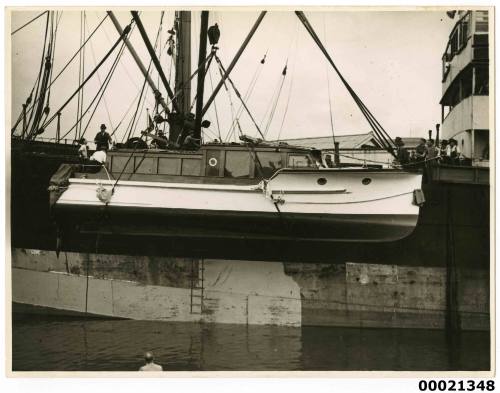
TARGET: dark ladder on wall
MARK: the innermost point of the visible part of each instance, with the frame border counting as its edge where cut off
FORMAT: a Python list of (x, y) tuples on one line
[(197, 286)]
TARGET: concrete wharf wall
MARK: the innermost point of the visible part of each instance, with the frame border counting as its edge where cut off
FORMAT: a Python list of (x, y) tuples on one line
[(246, 292)]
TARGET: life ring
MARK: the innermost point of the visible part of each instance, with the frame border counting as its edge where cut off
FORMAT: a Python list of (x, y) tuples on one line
[(212, 162)]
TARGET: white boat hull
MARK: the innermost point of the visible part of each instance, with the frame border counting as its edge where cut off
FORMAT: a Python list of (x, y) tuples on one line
[(325, 205)]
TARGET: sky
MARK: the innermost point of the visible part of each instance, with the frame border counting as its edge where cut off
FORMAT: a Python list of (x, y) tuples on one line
[(392, 59)]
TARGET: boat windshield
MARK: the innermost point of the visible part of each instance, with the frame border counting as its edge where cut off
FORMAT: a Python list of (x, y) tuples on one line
[(300, 161)]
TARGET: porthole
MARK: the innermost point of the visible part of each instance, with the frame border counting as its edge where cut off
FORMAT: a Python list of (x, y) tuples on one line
[(212, 161), (366, 181), (321, 181)]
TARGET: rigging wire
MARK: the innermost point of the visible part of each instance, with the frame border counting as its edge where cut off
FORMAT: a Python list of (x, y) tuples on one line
[(275, 104), (249, 91), (42, 62), (101, 89), (215, 105), (99, 78), (30, 97), (107, 80), (78, 107), (42, 91), (291, 81), (241, 98), (132, 127), (227, 91), (328, 85), (122, 37), (29, 22), (380, 132)]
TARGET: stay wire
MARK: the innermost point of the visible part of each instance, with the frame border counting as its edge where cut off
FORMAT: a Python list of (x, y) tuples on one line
[(98, 94), (122, 36), (29, 22), (240, 97), (39, 73)]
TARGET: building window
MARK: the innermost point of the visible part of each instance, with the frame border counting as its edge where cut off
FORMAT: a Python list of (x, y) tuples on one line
[(237, 164), (482, 82), (270, 162)]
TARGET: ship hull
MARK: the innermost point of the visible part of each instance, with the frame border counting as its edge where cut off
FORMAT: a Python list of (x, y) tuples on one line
[(291, 206)]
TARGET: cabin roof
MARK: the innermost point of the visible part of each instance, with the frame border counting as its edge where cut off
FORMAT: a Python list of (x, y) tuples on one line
[(351, 141)]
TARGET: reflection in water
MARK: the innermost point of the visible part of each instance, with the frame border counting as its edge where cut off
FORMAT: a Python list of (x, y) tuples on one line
[(49, 344)]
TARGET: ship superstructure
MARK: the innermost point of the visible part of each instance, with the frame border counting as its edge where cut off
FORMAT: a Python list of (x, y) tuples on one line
[(465, 83)]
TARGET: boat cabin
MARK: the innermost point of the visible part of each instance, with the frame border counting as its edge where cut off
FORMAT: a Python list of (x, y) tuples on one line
[(212, 163)]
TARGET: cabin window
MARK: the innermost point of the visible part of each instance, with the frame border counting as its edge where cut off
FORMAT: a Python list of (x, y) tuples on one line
[(270, 162), (213, 163), (191, 166), (169, 166), (300, 161), (144, 165), (237, 164), (119, 162)]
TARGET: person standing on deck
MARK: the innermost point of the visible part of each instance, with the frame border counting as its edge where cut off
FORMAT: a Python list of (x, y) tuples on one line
[(431, 151), (83, 150), (102, 139), (150, 364), (401, 153), (421, 150)]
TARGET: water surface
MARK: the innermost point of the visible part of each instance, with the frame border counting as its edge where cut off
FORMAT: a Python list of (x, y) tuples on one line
[(65, 344)]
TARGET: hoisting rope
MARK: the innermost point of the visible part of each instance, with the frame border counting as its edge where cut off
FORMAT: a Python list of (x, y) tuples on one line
[(275, 104), (215, 105), (122, 36), (380, 132), (217, 59), (287, 105), (133, 123), (248, 93), (27, 23)]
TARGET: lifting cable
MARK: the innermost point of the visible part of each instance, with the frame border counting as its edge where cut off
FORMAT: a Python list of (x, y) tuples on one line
[(122, 36), (388, 143), (239, 96), (275, 104), (249, 91), (227, 90), (293, 74), (131, 124), (215, 105)]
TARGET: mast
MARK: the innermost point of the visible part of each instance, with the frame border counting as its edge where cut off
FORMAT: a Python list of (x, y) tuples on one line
[(201, 73), (183, 61)]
